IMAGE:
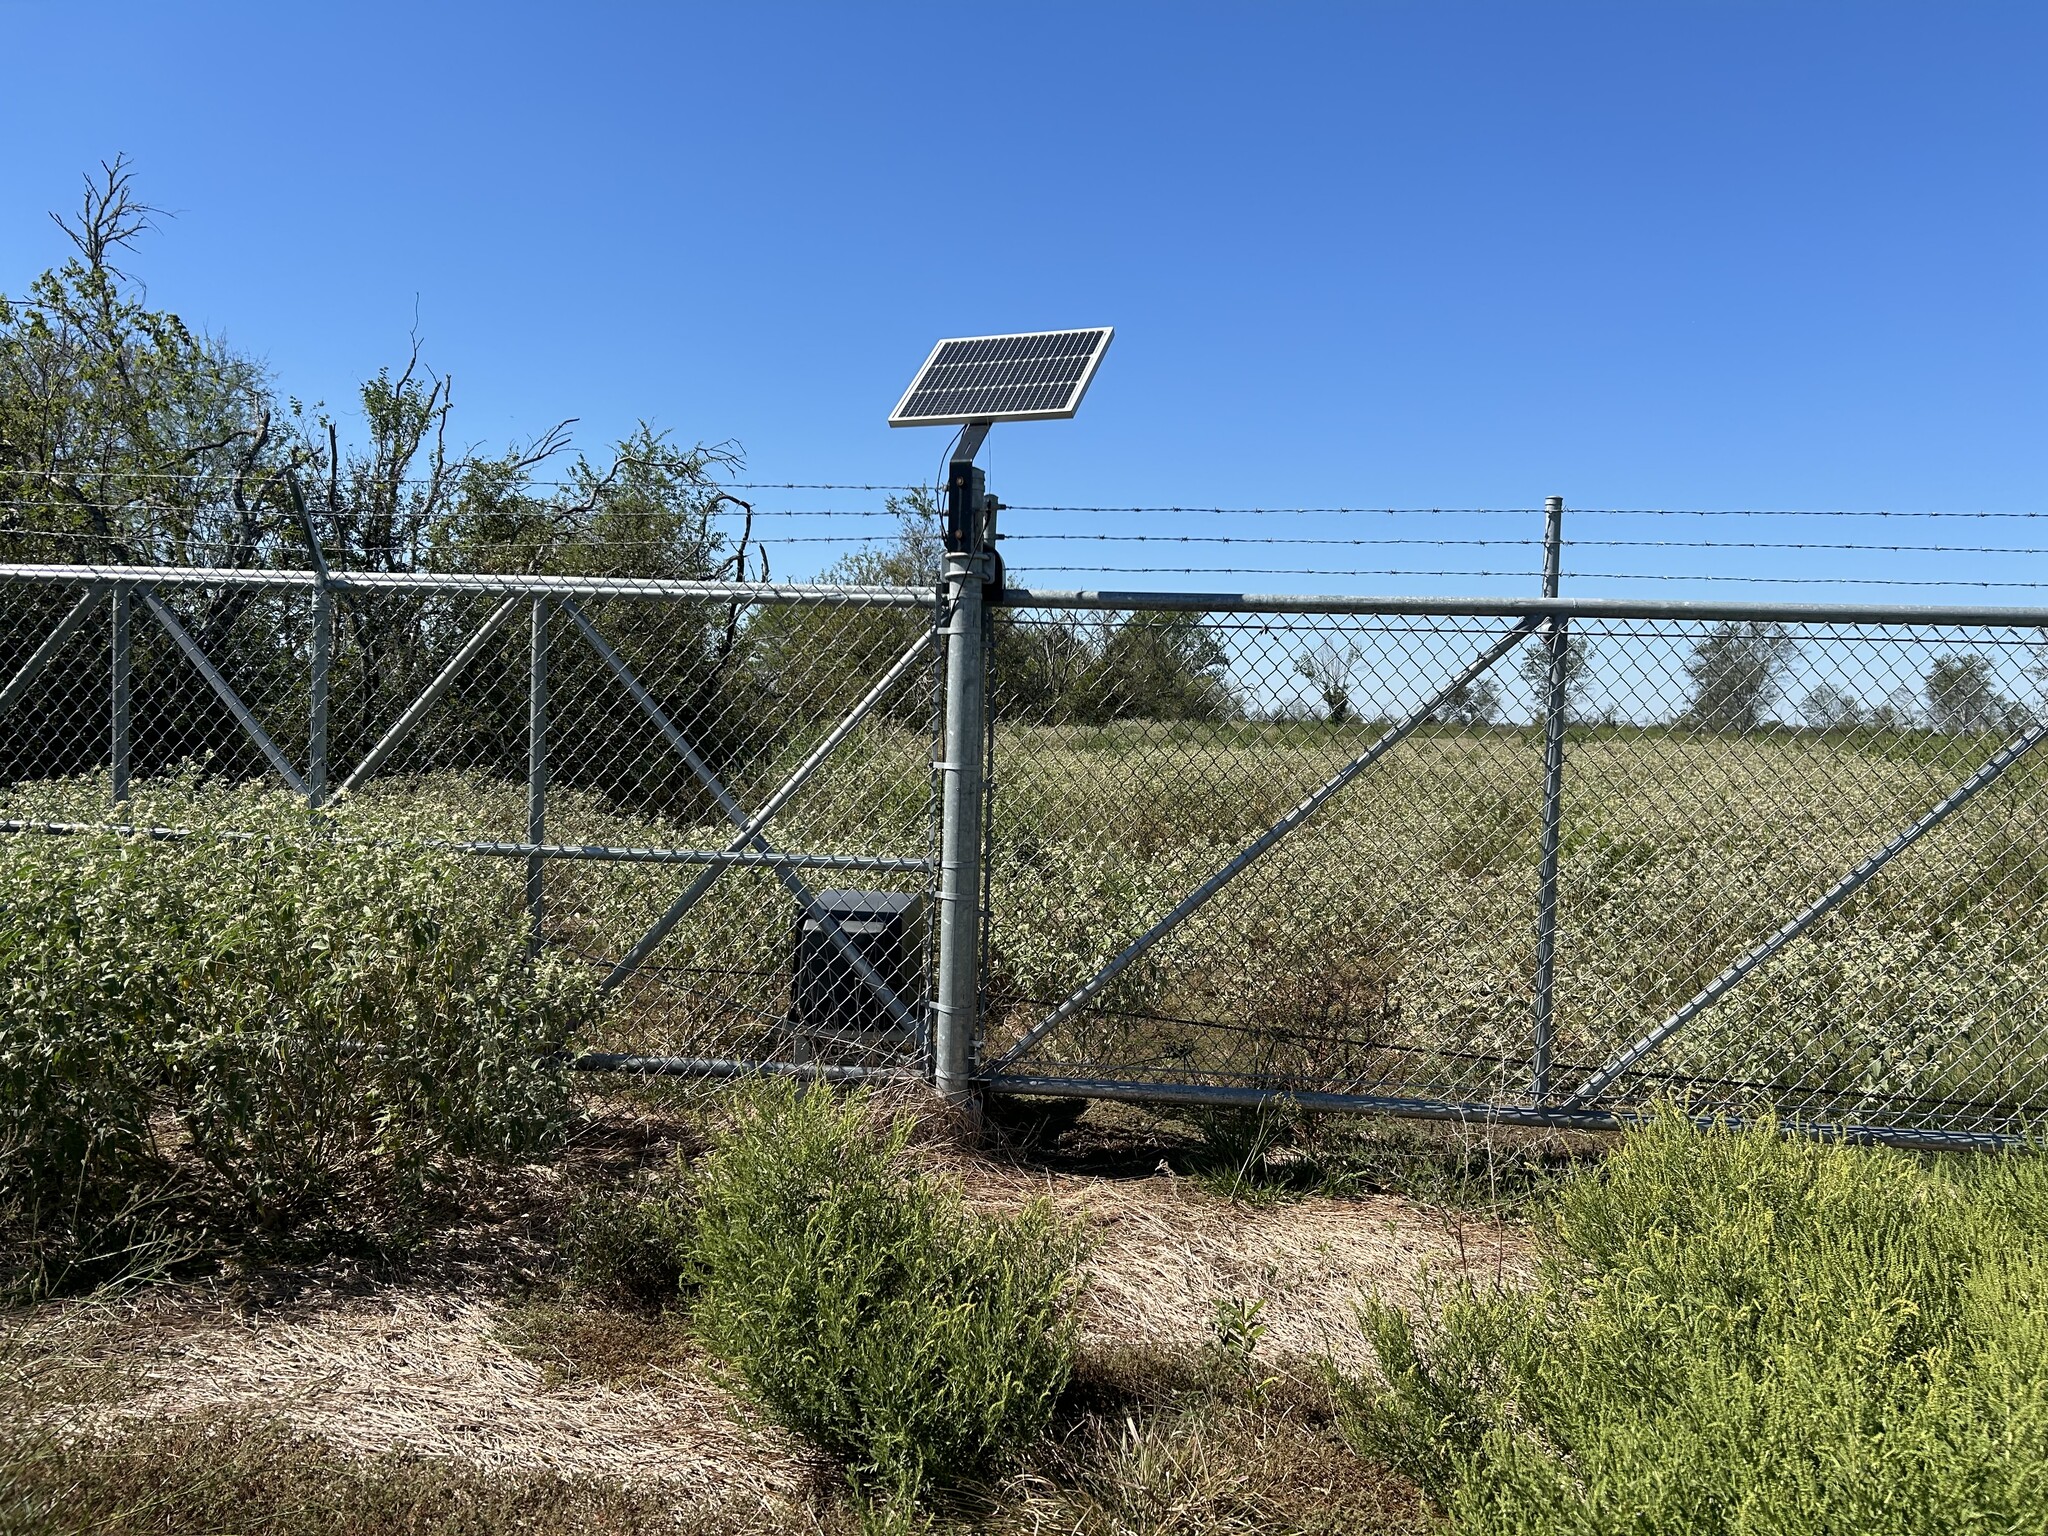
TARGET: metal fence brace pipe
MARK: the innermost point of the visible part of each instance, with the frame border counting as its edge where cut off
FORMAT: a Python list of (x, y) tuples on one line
[(901, 1016), (595, 853), (47, 651), (1840, 892), (1208, 889), (515, 585), (323, 653), (711, 1066), (1921, 614), (680, 908), (322, 670), (228, 696), (599, 853), (443, 681)]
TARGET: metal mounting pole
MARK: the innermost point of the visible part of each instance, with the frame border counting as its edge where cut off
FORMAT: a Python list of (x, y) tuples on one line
[(956, 1007), (1557, 638), (323, 654), (316, 731), (537, 774), (123, 653)]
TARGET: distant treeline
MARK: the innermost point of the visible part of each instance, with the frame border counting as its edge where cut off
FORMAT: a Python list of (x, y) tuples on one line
[(128, 439)]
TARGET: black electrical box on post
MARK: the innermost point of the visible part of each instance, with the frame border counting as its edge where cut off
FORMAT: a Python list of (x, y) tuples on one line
[(834, 1015)]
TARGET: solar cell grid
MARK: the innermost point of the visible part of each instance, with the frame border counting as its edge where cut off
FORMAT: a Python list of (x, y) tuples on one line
[(1003, 378)]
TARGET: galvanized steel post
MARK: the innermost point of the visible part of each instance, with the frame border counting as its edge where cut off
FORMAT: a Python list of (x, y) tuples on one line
[(537, 773), (123, 651), (316, 725), (1556, 700), (323, 654), (956, 1007)]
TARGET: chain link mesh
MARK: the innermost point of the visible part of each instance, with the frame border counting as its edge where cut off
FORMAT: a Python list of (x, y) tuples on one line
[(1801, 865), (669, 722), (1720, 779)]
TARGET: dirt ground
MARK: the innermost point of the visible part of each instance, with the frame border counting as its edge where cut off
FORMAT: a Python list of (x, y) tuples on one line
[(435, 1360)]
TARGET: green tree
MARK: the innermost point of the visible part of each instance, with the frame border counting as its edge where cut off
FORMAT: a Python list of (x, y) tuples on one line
[(1157, 665), (1328, 667), (1829, 708), (1535, 668), (1472, 703), (126, 438), (1963, 696), (1737, 671)]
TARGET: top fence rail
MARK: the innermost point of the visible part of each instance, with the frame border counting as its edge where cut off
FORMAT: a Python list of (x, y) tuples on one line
[(509, 585), (1976, 615), (1980, 615)]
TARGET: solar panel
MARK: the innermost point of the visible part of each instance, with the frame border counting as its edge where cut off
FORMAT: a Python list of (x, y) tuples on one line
[(1039, 376)]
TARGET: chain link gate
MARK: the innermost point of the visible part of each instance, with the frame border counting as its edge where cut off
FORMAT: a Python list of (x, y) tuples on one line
[(1538, 861), (699, 789), (1542, 862)]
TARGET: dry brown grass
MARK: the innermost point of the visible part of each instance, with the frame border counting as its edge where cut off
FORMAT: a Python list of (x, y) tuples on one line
[(218, 1472), (433, 1376), (1215, 1470), (483, 1370), (1165, 1250)]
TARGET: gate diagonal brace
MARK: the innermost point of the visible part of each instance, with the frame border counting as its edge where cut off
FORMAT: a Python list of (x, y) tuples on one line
[(680, 908), (873, 979), (1203, 894), (47, 652), (443, 681), (1840, 892), (250, 725)]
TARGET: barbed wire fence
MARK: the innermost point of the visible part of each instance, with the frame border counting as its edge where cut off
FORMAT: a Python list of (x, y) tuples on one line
[(1546, 871)]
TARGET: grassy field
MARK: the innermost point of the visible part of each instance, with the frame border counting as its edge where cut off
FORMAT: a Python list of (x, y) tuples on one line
[(1386, 946)]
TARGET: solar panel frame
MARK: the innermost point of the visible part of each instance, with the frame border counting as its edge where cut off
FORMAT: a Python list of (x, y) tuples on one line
[(1022, 372)]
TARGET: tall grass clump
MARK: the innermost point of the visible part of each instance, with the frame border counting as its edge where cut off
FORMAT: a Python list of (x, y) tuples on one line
[(865, 1307), (212, 1036), (1737, 1332)]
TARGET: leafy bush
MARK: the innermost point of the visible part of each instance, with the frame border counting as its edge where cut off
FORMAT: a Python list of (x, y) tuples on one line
[(634, 1242), (1734, 1327), (245, 1028), (865, 1307)]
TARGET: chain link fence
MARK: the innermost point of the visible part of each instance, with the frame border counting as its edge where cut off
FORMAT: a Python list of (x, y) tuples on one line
[(1798, 865), (1542, 861), (680, 785)]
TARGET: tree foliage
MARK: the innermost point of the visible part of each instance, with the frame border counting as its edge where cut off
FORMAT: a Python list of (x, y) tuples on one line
[(1737, 671), (127, 438), (1535, 667), (1963, 697)]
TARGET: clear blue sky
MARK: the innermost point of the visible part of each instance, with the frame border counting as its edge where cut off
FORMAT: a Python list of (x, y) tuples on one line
[(1650, 254)]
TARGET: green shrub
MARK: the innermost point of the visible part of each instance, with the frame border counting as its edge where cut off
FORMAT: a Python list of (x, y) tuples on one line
[(635, 1242), (245, 1028), (1735, 1332), (865, 1307)]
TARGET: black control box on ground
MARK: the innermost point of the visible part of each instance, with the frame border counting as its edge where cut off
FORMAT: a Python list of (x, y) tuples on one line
[(831, 1008)]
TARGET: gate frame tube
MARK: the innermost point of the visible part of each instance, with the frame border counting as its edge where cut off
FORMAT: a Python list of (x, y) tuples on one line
[(680, 907), (899, 1014), (52, 643), (244, 716)]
